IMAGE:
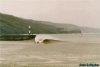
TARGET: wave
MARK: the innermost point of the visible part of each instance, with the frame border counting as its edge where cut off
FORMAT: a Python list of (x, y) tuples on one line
[(43, 38)]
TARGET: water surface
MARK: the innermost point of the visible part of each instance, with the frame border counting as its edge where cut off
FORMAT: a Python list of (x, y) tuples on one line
[(75, 49)]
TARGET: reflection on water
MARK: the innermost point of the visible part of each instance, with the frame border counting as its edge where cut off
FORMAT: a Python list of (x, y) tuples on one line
[(76, 49)]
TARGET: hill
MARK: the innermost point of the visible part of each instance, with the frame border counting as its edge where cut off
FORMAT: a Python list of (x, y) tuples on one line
[(10, 24), (89, 30)]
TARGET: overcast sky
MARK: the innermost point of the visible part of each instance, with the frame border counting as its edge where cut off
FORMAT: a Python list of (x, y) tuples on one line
[(79, 12)]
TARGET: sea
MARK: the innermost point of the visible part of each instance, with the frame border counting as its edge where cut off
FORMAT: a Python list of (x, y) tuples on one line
[(74, 50)]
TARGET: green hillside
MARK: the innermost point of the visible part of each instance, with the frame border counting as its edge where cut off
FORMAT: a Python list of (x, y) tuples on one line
[(14, 25)]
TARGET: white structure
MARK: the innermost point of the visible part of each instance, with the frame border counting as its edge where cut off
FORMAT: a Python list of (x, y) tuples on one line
[(40, 38), (29, 30)]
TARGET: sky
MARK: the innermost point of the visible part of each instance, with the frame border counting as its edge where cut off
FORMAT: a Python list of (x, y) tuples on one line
[(78, 12)]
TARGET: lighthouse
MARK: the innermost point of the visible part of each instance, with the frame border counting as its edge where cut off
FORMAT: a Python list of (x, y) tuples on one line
[(29, 29)]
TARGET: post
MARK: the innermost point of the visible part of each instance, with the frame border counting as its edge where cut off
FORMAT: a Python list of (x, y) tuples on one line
[(29, 30)]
